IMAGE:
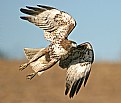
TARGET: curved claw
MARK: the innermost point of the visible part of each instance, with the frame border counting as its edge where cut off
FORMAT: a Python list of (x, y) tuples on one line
[(23, 66), (30, 76)]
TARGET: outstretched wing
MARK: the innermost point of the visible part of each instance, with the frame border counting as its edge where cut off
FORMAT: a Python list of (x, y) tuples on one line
[(55, 23), (78, 65)]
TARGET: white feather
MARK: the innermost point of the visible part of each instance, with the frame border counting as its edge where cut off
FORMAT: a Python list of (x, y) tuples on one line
[(58, 50)]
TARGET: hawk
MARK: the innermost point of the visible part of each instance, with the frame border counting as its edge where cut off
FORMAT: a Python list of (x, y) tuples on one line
[(57, 25), (78, 64)]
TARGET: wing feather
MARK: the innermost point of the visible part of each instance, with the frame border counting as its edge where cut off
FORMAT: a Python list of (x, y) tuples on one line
[(35, 9), (46, 7), (55, 23), (78, 64), (76, 76), (79, 84), (67, 88), (29, 12), (86, 78), (72, 92)]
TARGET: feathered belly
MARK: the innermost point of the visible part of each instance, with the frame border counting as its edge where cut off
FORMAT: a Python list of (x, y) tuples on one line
[(59, 50)]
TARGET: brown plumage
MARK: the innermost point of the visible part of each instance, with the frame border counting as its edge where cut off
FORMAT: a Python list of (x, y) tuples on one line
[(78, 64), (55, 23), (54, 52)]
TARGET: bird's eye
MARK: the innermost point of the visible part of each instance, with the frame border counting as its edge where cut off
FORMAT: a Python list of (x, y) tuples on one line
[(68, 47)]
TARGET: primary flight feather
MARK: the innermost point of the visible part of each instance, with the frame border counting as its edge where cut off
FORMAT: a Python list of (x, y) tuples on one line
[(55, 23)]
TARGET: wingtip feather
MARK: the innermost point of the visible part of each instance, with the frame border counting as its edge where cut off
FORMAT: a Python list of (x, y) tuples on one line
[(46, 7), (24, 17), (66, 91), (79, 85), (67, 88), (23, 10), (86, 78), (73, 89), (29, 11)]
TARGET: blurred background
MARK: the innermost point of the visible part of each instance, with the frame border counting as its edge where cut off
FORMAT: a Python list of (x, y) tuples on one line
[(98, 22)]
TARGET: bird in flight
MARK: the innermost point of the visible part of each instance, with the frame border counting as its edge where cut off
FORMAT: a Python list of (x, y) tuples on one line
[(57, 25)]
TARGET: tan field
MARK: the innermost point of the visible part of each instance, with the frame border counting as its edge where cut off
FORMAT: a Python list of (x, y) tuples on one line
[(104, 85)]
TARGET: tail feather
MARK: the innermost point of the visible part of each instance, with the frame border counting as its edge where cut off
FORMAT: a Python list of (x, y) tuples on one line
[(40, 62), (30, 52)]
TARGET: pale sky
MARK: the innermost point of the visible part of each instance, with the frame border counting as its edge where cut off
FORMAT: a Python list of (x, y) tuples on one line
[(98, 22)]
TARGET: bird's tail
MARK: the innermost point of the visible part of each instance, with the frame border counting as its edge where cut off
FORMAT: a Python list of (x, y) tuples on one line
[(30, 52), (36, 65)]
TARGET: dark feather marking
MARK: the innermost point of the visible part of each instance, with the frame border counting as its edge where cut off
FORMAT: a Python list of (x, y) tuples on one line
[(36, 9), (46, 7), (24, 17), (79, 84), (92, 53), (67, 89), (86, 78), (29, 12), (73, 89)]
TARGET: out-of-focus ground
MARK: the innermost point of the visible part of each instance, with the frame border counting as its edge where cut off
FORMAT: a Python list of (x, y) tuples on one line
[(104, 85)]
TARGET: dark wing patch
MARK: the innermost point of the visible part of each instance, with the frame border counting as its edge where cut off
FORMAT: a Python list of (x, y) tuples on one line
[(78, 68)]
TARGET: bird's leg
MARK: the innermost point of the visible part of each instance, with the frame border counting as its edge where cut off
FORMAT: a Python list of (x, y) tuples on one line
[(23, 66), (35, 57), (50, 64), (39, 55)]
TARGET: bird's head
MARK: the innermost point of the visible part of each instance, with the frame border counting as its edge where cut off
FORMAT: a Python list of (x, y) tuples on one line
[(73, 44), (87, 45), (68, 44)]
